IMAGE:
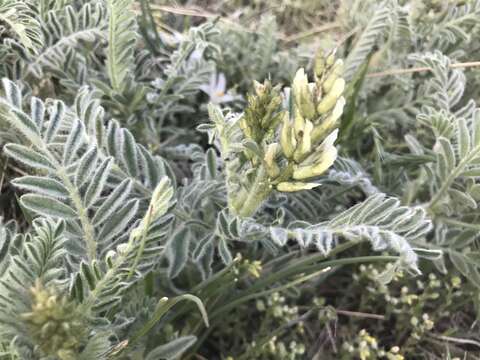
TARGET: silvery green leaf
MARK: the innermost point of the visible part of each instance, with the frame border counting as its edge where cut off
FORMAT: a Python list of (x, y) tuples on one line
[(447, 157), (55, 121), (118, 221), (199, 250), (97, 182), (253, 147), (96, 347), (28, 156), (279, 235), (42, 185), (47, 206), (211, 159), (129, 153), (12, 93), (74, 141), (430, 254), (224, 251), (462, 198), (172, 350), (88, 274), (25, 124), (476, 127), (111, 204), (86, 166), (463, 138), (460, 262), (151, 169), (37, 112), (177, 252)]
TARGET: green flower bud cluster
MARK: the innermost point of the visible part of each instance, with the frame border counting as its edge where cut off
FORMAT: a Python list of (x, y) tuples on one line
[(55, 324), (253, 268), (365, 346), (263, 113), (421, 326), (414, 306), (276, 312), (280, 350)]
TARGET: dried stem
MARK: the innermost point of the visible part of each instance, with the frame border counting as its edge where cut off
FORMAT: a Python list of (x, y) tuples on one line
[(420, 69), (308, 33), (360, 314), (456, 340)]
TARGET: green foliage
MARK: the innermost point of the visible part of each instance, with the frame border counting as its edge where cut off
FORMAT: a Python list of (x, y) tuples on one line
[(202, 181), (18, 19), (121, 41), (383, 222), (365, 44)]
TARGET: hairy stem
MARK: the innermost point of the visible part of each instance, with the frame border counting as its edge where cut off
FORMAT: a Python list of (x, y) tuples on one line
[(257, 194), (453, 175), (88, 229)]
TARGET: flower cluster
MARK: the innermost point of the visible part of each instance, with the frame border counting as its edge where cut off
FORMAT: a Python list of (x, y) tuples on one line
[(276, 309), (417, 308), (365, 346), (307, 136), (263, 113), (54, 322), (288, 138)]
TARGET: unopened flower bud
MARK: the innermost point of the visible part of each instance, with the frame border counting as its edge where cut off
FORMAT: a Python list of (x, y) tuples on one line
[(295, 186), (304, 141), (298, 122), (271, 166), (330, 122), (259, 88), (331, 57), (335, 73), (287, 139), (247, 130), (330, 99), (316, 164), (302, 95), (319, 64)]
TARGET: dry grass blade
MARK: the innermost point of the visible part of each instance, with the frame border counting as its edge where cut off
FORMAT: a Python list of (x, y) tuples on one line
[(393, 72)]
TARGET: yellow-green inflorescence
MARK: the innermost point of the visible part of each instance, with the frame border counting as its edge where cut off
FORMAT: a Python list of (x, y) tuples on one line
[(54, 323), (298, 144)]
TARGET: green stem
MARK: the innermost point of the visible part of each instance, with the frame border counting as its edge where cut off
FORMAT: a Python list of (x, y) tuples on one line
[(459, 223), (143, 239), (266, 292), (292, 268), (217, 276), (257, 194), (111, 47), (87, 226), (453, 175), (163, 306)]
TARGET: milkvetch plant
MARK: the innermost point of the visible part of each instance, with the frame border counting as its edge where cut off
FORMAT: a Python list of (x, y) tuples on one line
[(282, 148), (180, 185)]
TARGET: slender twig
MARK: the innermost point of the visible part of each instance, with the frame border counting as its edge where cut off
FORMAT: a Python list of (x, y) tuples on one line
[(199, 12), (456, 340), (421, 69), (347, 36), (188, 11), (360, 314), (311, 32), (196, 12), (459, 223), (4, 170)]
